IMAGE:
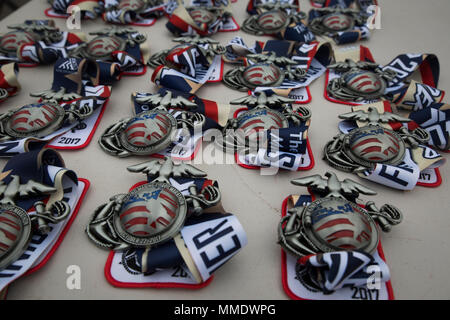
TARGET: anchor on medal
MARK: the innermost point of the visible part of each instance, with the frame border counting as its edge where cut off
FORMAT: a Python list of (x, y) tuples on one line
[(363, 148), (333, 20), (359, 81), (208, 47), (41, 119), (274, 18), (249, 128), (153, 130), (334, 222), (266, 70), (27, 33), (16, 225), (152, 213), (107, 41)]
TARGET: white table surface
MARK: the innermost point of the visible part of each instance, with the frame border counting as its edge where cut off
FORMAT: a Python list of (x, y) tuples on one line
[(417, 251)]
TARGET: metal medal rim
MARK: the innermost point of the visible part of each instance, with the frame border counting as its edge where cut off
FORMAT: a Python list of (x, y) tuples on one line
[(3, 94), (352, 22), (215, 16), (370, 164), (42, 132), (271, 31), (161, 145), (162, 236), (14, 52), (22, 244), (122, 45), (284, 119), (326, 247), (367, 96), (252, 86)]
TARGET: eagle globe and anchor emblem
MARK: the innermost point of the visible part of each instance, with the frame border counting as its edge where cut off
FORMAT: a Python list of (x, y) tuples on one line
[(363, 148), (108, 41), (152, 213), (16, 225), (359, 81), (334, 222), (265, 70), (331, 21), (249, 129), (41, 119), (153, 130)]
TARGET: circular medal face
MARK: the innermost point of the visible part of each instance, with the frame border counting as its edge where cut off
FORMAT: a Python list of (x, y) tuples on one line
[(148, 132), (272, 21), (15, 233), (102, 47), (36, 120), (365, 83), (12, 41), (254, 123), (337, 224), (152, 213), (338, 22), (373, 144), (262, 75), (133, 5), (201, 16)]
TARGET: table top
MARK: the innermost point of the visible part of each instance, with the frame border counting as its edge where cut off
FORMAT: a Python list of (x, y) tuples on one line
[(417, 250)]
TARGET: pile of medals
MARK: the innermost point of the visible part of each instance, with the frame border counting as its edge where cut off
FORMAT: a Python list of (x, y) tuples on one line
[(173, 222)]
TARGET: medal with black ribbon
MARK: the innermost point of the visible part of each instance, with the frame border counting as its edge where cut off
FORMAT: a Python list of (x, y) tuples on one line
[(281, 67), (280, 19), (162, 225), (39, 201), (331, 241), (268, 132), (204, 18), (375, 145)]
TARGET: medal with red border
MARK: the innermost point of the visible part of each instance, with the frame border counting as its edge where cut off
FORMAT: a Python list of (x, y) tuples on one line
[(377, 144), (279, 19), (190, 64), (133, 12), (67, 115), (279, 67), (166, 123), (160, 233), (330, 242), (268, 133), (40, 200), (188, 18), (36, 42)]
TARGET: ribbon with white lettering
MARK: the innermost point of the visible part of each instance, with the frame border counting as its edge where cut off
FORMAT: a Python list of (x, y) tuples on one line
[(204, 244), (46, 167), (419, 167), (349, 275), (285, 148)]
